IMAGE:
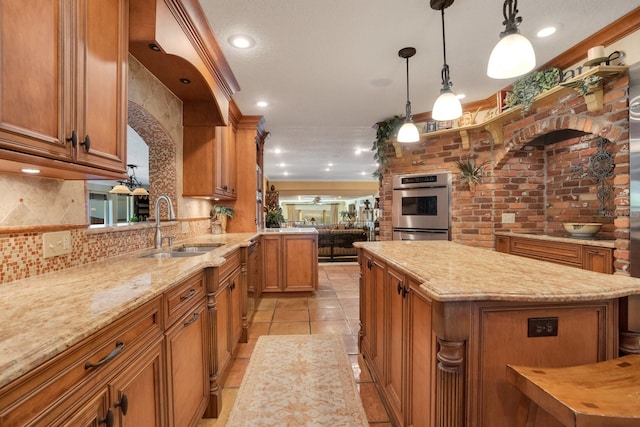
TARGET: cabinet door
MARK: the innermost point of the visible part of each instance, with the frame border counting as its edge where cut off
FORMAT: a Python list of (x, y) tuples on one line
[(300, 262), (598, 259), (367, 306), (187, 372), (419, 373), (137, 394), (271, 263), (378, 275), (94, 413), (394, 351), (35, 77), (225, 162), (502, 244), (101, 72)]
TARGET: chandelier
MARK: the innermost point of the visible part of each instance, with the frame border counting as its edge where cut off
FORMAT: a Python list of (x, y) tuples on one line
[(131, 186)]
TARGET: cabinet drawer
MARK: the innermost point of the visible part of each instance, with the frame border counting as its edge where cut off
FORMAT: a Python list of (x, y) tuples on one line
[(182, 297), (40, 394), (233, 262), (558, 252)]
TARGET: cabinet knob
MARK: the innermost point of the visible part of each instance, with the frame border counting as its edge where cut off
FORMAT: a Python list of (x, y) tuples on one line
[(399, 289), (123, 403), (108, 419), (86, 143), (73, 139)]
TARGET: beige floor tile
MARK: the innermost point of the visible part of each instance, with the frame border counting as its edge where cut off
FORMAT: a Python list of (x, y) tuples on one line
[(350, 302), (282, 315), (289, 328), (354, 324), (266, 302), (236, 372), (324, 303), (348, 294), (352, 312), (350, 343), (324, 294), (258, 329), (330, 327), (245, 349), (360, 370), (320, 314), (262, 316), (294, 303)]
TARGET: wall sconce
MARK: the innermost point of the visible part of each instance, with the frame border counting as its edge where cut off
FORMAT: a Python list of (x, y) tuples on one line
[(447, 106), (513, 56), (131, 186), (408, 132)]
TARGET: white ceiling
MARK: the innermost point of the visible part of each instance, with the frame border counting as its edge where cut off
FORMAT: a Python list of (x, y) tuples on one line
[(330, 68)]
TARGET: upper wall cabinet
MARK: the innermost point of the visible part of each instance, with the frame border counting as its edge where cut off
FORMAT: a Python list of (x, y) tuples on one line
[(63, 77)]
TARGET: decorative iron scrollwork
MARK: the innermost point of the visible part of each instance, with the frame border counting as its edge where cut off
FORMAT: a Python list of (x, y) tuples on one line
[(600, 167)]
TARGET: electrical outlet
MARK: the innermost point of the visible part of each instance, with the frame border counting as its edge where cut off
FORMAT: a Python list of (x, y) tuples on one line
[(543, 327), (508, 218), (56, 243)]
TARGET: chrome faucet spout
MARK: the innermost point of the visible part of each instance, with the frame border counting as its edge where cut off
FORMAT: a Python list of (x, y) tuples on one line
[(171, 217)]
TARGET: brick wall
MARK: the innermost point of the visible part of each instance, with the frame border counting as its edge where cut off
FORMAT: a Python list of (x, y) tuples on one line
[(536, 181)]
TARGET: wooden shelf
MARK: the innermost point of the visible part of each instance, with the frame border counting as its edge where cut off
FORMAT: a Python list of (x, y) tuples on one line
[(495, 124)]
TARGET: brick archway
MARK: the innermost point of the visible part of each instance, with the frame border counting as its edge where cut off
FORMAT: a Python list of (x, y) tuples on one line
[(162, 155)]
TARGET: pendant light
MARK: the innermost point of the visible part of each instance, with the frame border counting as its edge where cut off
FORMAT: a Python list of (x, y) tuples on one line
[(131, 186), (447, 106), (408, 132), (513, 56)]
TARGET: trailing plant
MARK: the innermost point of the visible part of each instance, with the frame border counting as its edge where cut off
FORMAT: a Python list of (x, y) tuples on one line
[(533, 84), (222, 210), (386, 131), (588, 83), (470, 172)]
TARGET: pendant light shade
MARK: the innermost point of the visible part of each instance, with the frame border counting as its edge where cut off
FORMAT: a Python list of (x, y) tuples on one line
[(120, 189), (131, 186), (447, 106), (408, 132), (513, 56)]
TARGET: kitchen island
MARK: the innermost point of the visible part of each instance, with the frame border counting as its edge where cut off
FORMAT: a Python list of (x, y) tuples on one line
[(440, 322)]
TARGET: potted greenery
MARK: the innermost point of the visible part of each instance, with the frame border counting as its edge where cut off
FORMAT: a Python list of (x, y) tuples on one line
[(273, 218), (222, 214), (528, 87), (386, 132), (470, 172)]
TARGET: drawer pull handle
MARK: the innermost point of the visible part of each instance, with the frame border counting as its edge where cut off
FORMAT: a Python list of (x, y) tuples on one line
[(108, 358), (399, 289), (108, 419), (192, 292), (123, 403), (193, 319)]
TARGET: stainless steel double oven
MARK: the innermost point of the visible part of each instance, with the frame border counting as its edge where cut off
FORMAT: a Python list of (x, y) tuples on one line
[(421, 209)]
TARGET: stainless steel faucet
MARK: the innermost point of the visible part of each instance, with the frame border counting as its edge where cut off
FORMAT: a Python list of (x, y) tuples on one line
[(157, 214)]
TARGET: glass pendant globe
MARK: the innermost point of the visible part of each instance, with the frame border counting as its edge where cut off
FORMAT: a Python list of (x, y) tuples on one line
[(408, 133), (513, 56), (446, 107)]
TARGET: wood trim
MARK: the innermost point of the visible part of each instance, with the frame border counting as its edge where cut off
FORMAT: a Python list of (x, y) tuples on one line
[(24, 229)]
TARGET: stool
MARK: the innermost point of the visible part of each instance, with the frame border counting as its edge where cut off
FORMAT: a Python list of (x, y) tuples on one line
[(605, 394)]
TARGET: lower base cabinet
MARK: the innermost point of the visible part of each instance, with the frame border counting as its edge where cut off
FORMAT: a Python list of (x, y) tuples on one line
[(289, 262)]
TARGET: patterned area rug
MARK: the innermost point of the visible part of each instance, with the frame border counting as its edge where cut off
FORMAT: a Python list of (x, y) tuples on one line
[(298, 380)]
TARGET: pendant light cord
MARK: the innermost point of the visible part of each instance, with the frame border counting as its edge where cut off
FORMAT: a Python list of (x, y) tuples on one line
[(446, 84), (408, 106)]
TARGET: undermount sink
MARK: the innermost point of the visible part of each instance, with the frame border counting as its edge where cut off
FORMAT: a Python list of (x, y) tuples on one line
[(197, 248), (171, 254)]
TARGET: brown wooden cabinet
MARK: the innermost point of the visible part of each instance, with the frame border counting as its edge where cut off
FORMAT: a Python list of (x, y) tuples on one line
[(187, 352), (226, 305), (209, 162), (396, 294), (64, 87), (587, 257), (289, 262)]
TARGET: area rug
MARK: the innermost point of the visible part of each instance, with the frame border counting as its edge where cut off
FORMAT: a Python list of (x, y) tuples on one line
[(298, 380)]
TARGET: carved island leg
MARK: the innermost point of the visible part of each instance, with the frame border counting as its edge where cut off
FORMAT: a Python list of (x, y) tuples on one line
[(450, 395)]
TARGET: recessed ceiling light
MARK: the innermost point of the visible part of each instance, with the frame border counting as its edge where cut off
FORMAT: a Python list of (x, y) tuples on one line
[(363, 173), (241, 41), (330, 164), (282, 165), (546, 32), (461, 96), (277, 150), (262, 104), (32, 171), (286, 173), (328, 169)]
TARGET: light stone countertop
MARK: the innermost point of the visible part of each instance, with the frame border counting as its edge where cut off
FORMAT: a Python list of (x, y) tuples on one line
[(44, 315), (602, 243), (450, 271)]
